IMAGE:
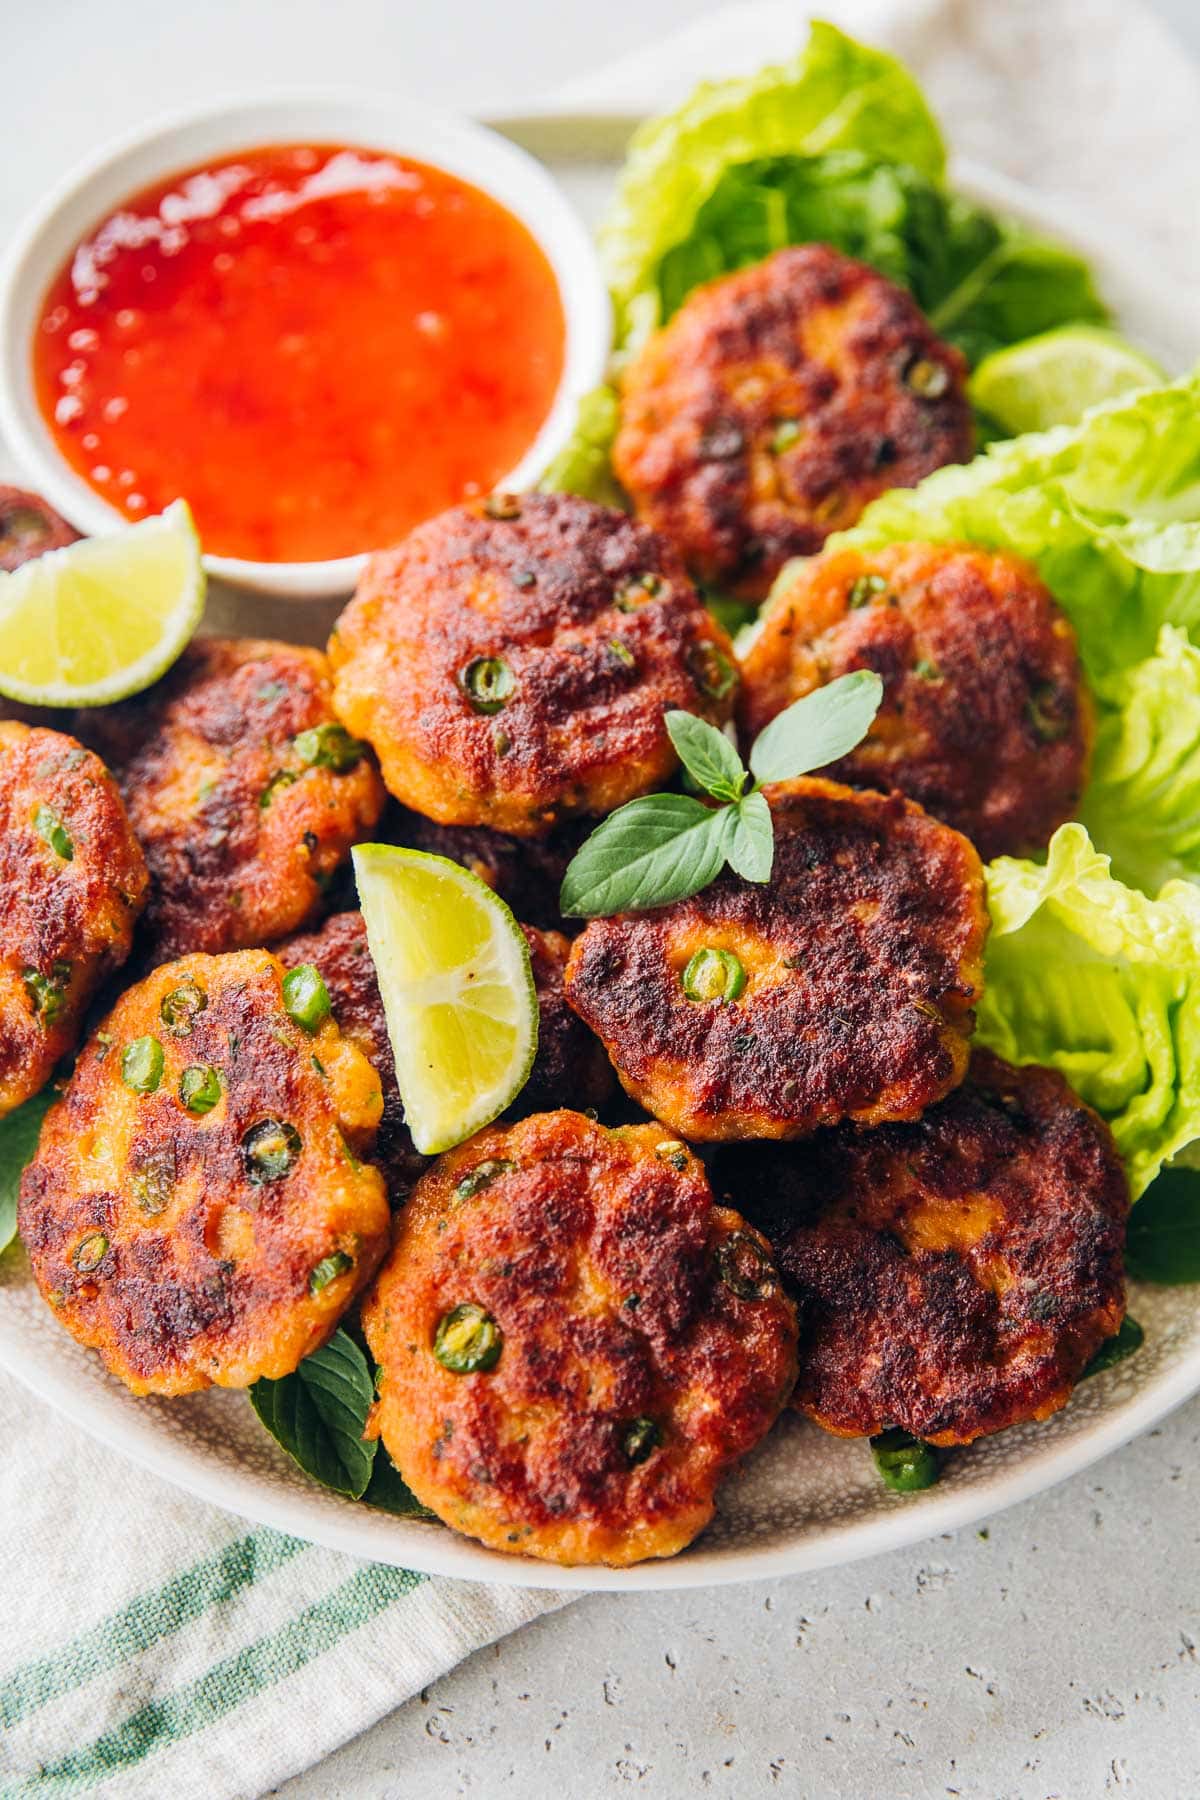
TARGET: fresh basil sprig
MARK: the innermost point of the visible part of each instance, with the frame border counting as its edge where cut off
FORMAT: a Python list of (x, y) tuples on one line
[(319, 1413), (667, 847)]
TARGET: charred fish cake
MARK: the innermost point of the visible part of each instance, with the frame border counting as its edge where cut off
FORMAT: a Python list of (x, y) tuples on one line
[(985, 718), (199, 1209), (511, 662), (571, 1067), (245, 791), (842, 989), (576, 1344), (775, 404), (72, 883), (955, 1275)]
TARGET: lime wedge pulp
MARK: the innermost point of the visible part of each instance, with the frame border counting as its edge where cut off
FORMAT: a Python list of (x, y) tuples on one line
[(102, 618), (1054, 378), (454, 972)]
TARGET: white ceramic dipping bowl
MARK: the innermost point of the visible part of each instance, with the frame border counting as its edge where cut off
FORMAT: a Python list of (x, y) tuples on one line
[(364, 121)]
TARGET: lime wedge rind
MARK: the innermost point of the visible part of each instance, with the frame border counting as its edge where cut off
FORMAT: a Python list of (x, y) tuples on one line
[(103, 618), (1053, 378), (457, 986)]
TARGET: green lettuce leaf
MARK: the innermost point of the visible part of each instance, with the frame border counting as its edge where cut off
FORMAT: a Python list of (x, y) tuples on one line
[(1143, 799), (1094, 979), (1108, 511), (836, 95), (582, 466), (983, 282)]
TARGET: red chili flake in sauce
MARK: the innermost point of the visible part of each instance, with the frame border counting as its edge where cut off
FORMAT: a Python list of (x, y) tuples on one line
[(316, 346)]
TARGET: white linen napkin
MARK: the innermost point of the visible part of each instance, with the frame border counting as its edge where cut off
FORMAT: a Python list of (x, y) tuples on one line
[(153, 1645)]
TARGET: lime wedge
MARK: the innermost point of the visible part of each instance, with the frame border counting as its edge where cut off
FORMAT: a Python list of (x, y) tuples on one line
[(1054, 378), (457, 987), (103, 618)]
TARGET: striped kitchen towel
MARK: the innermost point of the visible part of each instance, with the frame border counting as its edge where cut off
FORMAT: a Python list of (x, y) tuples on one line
[(150, 1645)]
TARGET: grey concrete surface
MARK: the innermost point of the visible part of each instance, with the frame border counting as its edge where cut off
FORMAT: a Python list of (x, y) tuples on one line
[(1055, 1655)]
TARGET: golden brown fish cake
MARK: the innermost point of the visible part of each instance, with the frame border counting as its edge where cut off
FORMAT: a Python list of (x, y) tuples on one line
[(956, 1275), (841, 989), (576, 1344), (775, 404), (244, 789), (570, 1067), (985, 719), (72, 883), (198, 1210), (511, 662), (29, 526), (339, 950)]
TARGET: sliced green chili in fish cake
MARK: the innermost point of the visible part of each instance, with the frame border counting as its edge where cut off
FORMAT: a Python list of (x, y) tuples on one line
[(985, 717), (776, 403), (200, 1209), (576, 1343), (843, 988), (510, 663)]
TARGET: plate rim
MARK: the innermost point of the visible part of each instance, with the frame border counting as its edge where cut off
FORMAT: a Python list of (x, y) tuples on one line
[(368, 1534)]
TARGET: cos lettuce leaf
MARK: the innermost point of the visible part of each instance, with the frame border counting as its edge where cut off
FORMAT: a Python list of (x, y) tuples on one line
[(1143, 798), (583, 466), (984, 283), (836, 95), (1096, 980), (1108, 511)]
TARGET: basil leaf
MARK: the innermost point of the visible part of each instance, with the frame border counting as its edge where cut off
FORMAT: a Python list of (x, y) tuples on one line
[(1163, 1240), (1115, 1349), (388, 1490), (751, 846), (661, 848), (18, 1141), (318, 1414), (707, 755), (815, 731)]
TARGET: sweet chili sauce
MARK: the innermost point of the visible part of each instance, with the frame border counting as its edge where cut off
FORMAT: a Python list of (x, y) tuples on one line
[(315, 346)]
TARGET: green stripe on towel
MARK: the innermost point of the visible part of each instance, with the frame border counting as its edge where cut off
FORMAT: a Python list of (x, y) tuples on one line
[(146, 1620), (226, 1686)]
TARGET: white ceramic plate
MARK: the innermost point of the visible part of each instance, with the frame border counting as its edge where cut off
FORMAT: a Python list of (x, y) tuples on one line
[(804, 1500)]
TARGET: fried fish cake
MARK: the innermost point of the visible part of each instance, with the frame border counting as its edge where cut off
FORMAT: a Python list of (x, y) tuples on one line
[(775, 404), (985, 719), (72, 883), (244, 789), (576, 1344), (339, 951), (29, 526), (511, 662), (198, 1210), (841, 989), (570, 1065), (956, 1275)]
